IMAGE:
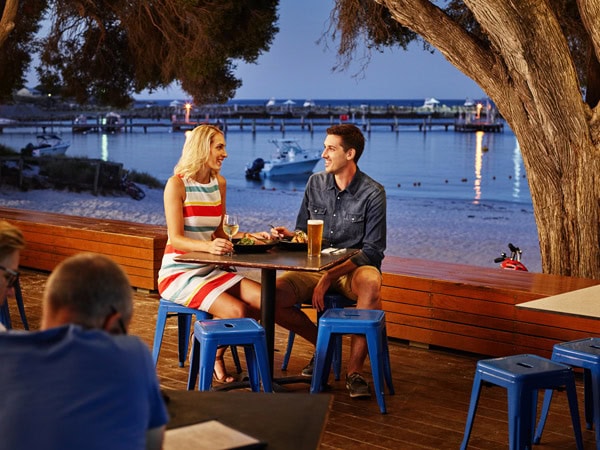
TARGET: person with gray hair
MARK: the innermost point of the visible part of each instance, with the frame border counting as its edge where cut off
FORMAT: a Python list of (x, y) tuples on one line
[(81, 382), (11, 243), (89, 290)]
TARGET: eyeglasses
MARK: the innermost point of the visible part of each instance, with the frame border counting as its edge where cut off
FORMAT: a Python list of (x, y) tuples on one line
[(10, 276)]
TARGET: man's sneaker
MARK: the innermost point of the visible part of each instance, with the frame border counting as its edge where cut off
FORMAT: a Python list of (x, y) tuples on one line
[(357, 386), (308, 370)]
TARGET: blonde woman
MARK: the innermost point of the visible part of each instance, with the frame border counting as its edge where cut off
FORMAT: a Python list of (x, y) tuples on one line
[(195, 202)]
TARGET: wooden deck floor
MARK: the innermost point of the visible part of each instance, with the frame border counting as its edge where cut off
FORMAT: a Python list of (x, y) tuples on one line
[(429, 410)]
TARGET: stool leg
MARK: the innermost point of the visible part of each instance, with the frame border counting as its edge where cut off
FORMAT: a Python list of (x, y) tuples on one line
[(517, 418), (236, 359), (475, 391), (252, 367), (288, 350), (594, 388), (262, 361), (588, 400), (543, 416), (337, 357), (375, 348), (323, 356), (158, 333), (208, 351), (572, 397), (194, 364), (184, 322)]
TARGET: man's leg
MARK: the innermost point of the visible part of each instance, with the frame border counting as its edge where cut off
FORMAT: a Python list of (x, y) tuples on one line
[(289, 292), (366, 285)]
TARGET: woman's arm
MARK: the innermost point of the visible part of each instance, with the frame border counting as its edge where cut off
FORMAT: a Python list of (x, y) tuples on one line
[(174, 196)]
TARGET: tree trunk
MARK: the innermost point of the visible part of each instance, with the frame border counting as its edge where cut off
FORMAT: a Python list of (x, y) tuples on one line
[(527, 71), (7, 22)]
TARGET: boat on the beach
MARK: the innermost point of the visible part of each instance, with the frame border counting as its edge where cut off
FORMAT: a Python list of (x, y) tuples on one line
[(112, 122), (289, 159), (47, 145)]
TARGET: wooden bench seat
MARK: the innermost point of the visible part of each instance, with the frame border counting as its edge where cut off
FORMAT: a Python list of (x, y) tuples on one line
[(51, 238), (473, 309)]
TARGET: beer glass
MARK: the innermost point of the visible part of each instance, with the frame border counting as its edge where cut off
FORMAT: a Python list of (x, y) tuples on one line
[(315, 236)]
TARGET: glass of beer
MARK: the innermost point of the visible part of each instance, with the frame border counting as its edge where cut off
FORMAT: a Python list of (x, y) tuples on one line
[(315, 236)]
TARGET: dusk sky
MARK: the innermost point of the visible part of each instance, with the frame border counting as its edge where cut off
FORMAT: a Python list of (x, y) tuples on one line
[(297, 67)]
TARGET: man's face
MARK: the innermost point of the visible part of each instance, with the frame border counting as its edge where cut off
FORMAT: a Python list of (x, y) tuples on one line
[(334, 155), (9, 266)]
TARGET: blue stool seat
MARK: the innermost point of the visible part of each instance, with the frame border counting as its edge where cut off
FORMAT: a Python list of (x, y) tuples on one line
[(522, 376), (371, 323), (210, 334), (5, 312), (331, 300), (166, 309), (583, 353)]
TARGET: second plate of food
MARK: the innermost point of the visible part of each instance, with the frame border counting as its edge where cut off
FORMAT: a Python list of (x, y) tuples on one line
[(259, 246), (298, 246)]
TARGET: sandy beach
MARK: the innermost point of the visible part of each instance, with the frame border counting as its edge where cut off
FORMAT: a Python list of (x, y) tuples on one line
[(443, 230)]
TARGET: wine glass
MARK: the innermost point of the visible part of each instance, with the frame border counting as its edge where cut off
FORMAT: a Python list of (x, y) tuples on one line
[(230, 226)]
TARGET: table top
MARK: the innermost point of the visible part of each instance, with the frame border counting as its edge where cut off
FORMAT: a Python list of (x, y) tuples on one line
[(283, 420), (582, 302), (275, 258)]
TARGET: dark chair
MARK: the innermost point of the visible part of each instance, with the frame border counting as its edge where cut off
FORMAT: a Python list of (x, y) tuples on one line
[(5, 312)]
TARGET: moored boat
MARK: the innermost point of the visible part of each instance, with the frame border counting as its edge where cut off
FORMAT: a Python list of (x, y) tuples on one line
[(112, 123), (47, 145), (289, 159)]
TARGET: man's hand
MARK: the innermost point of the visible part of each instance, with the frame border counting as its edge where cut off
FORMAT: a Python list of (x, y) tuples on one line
[(318, 298)]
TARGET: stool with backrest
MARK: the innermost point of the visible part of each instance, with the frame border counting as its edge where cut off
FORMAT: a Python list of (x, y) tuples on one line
[(522, 376), (370, 323), (5, 311), (583, 353), (211, 334), (331, 300), (166, 309)]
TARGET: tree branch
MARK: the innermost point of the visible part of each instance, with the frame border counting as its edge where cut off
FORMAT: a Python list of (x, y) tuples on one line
[(7, 23)]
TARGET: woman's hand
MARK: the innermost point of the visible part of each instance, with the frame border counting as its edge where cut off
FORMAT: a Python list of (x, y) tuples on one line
[(220, 246)]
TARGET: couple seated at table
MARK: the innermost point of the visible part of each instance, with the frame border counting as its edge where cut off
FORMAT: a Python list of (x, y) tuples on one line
[(81, 382), (351, 204)]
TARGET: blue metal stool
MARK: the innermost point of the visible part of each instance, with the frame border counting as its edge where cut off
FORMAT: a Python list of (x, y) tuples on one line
[(210, 334), (583, 353), (5, 312), (332, 300), (371, 323), (523, 376), (184, 315)]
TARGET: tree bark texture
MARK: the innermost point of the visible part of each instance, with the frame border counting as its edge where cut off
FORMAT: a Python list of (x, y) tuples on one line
[(528, 72), (7, 22)]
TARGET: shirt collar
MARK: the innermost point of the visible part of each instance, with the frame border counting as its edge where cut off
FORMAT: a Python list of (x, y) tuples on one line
[(352, 188)]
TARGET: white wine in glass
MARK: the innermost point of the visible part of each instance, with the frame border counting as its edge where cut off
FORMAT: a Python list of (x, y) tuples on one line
[(230, 225)]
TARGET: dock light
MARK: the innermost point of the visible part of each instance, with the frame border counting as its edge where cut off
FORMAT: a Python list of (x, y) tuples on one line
[(479, 106), (188, 107)]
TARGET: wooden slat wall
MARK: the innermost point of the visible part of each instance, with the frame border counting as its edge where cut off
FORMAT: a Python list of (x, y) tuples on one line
[(473, 309), (51, 238)]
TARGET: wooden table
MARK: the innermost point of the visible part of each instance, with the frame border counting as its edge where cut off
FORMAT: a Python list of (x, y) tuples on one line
[(285, 420), (269, 262), (582, 303)]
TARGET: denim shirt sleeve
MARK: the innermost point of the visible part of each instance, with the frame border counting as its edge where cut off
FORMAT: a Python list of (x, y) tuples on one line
[(353, 218)]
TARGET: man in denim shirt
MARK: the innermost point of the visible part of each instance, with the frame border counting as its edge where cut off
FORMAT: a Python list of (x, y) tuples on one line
[(353, 208)]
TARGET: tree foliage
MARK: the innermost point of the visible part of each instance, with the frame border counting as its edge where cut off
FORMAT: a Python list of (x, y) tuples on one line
[(533, 58), (108, 49), (21, 21)]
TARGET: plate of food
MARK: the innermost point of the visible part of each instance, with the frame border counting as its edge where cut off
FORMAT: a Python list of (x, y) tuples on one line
[(298, 242), (250, 244)]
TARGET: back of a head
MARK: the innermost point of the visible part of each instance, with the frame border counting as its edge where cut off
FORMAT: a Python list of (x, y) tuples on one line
[(90, 287), (11, 239)]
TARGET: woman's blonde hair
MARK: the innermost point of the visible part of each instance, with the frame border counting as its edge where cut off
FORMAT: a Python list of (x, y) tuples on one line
[(196, 151), (11, 239)]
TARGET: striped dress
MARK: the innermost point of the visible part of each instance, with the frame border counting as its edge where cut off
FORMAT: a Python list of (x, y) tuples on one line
[(196, 285)]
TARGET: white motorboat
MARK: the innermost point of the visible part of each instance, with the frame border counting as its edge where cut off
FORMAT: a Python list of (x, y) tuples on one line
[(47, 145), (288, 160), (431, 103)]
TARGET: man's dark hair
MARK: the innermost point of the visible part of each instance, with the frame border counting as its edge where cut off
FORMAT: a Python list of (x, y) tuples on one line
[(351, 136)]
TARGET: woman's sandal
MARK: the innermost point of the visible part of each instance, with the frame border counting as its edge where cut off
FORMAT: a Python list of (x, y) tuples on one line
[(226, 379)]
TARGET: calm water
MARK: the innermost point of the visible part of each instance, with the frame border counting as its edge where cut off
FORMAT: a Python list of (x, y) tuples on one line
[(409, 163)]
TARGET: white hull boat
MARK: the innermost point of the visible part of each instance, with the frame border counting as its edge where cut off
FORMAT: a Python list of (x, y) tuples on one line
[(290, 159), (47, 145)]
